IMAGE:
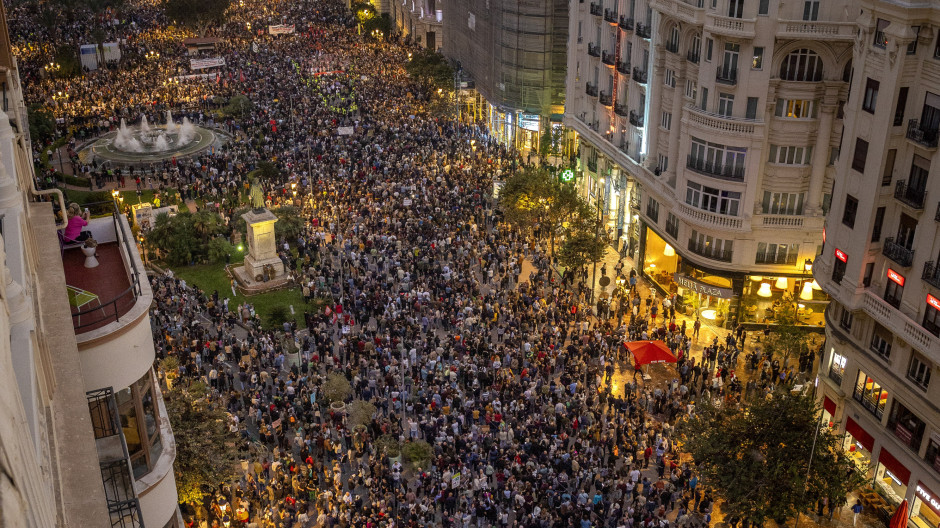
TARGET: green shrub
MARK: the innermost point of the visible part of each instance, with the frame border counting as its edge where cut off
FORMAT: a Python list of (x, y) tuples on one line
[(388, 444), (417, 453), (336, 388), (277, 316), (220, 250)]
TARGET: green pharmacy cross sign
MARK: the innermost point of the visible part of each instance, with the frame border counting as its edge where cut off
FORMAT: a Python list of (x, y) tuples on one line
[(567, 175)]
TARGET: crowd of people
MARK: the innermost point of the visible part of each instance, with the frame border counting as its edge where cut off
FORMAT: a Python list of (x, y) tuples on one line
[(455, 327)]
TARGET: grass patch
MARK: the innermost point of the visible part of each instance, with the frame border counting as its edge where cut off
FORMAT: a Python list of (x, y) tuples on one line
[(212, 277), (130, 197)]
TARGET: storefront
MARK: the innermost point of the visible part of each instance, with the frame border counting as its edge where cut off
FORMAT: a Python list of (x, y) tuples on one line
[(858, 443), (767, 300), (926, 508), (829, 411), (891, 477)]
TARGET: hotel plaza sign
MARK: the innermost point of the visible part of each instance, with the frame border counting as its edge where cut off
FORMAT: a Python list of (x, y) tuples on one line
[(684, 281)]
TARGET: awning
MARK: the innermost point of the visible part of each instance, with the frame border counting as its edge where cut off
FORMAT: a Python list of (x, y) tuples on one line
[(646, 352), (859, 434), (887, 459), (829, 405)]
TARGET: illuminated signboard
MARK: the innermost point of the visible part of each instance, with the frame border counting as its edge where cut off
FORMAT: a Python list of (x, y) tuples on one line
[(933, 301), (567, 175), (896, 277), (841, 255)]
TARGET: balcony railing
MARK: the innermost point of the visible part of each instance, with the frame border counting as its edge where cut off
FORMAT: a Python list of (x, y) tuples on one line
[(693, 56), (639, 75), (672, 46), (626, 24), (608, 58), (634, 198), (912, 196), (726, 75), (610, 15), (596, 9), (590, 89), (643, 30), (931, 274), (898, 253), (621, 110), (713, 168), (636, 119), (775, 258), (835, 375), (922, 135), (594, 50), (709, 251), (624, 67), (606, 99)]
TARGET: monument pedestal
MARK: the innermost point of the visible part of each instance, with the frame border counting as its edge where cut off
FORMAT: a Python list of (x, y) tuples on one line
[(263, 270)]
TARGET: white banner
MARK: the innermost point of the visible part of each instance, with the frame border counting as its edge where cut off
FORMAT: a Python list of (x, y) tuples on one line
[(345, 131), (199, 64), (281, 29)]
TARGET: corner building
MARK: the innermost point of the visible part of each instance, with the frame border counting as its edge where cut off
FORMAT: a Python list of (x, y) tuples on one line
[(880, 260), (709, 131)]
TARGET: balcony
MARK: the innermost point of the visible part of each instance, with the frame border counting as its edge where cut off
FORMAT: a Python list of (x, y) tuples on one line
[(643, 30), (639, 75), (672, 46), (708, 219), (806, 30), (623, 67), (868, 402), (715, 168), (636, 119), (693, 56), (590, 89), (729, 26), (634, 198), (775, 258), (922, 135), (835, 375), (709, 252), (594, 50), (608, 58), (931, 274), (621, 110), (626, 24), (101, 295), (606, 99), (691, 11), (898, 253), (782, 222), (719, 123), (911, 196), (726, 75), (596, 9), (610, 15)]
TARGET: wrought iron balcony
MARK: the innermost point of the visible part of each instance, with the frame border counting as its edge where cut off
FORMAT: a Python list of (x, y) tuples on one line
[(775, 258), (624, 67), (726, 75), (606, 99), (912, 196), (592, 165), (692, 56), (590, 89), (621, 110), (672, 46), (596, 9), (639, 75), (715, 168), (931, 274), (634, 198), (709, 251), (610, 15), (594, 50), (626, 24), (898, 253), (643, 30), (608, 58), (921, 135), (636, 119)]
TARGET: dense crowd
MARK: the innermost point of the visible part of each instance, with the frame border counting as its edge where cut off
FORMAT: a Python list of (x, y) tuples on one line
[(454, 326)]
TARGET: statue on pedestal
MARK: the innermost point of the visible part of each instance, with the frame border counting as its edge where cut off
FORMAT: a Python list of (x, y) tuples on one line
[(256, 195)]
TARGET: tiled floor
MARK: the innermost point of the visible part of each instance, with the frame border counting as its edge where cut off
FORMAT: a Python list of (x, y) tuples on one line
[(108, 281)]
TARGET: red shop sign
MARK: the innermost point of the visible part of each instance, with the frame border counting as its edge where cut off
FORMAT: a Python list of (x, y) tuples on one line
[(841, 255), (933, 301), (928, 498), (896, 277)]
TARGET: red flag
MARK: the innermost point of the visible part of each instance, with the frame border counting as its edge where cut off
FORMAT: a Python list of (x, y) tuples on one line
[(241, 76), (218, 78)]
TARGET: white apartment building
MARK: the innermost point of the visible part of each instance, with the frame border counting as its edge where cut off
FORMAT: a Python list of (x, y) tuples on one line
[(85, 439), (708, 133), (880, 259)]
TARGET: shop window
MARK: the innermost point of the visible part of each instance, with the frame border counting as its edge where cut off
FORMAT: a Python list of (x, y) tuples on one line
[(140, 424), (870, 394), (881, 342), (907, 426), (919, 371), (837, 367)]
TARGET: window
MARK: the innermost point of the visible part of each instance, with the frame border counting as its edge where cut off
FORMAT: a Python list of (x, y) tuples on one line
[(845, 320), (758, 61), (735, 8), (869, 271), (870, 394), (712, 200), (919, 371), (704, 105), (691, 89), (878, 224), (777, 203), (838, 271), (709, 44), (139, 422), (893, 293), (906, 425), (871, 95), (750, 112), (672, 226), (652, 210), (763, 7), (801, 65), (667, 121), (861, 153), (790, 155), (673, 43), (670, 77), (889, 167), (796, 108), (912, 47), (932, 320), (837, 367), (936, 49), (881, 41), (899, 108), (708, 246), (811, 10), (716, 159), (663, 164), (851, 208), (768, 253), (725, 104), (920, 168)]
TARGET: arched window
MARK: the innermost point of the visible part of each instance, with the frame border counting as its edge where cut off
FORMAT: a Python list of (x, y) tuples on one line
[(801, 65), (672, 41)]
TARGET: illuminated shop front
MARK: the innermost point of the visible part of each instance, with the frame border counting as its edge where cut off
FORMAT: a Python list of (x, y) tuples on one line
[(767, 299), (858, 443), (926, 510), (891, 477)]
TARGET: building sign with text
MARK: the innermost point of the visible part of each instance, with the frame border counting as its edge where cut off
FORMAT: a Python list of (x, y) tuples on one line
[(684, 281), (928, 498)]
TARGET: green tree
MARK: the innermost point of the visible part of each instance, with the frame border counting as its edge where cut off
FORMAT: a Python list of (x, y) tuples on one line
[(206, 451), (267, 170), (431, 68), (219, 250), (757, 458), (581, 248), (238, 106), (198, 15), (290, 222), (41, 124), (786, 339), (534, 200)]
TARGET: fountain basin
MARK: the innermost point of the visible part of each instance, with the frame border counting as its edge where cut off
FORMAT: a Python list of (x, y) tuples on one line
[(104, 148)]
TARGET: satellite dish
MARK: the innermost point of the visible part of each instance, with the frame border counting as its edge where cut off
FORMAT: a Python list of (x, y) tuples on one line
[(605, 281)]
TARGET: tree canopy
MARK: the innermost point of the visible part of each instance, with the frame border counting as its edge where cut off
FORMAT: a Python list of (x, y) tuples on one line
[(757, 457), (198, 15), (431, 67)]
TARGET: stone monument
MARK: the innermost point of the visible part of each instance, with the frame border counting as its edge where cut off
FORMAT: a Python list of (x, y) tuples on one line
[(262, 263)]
